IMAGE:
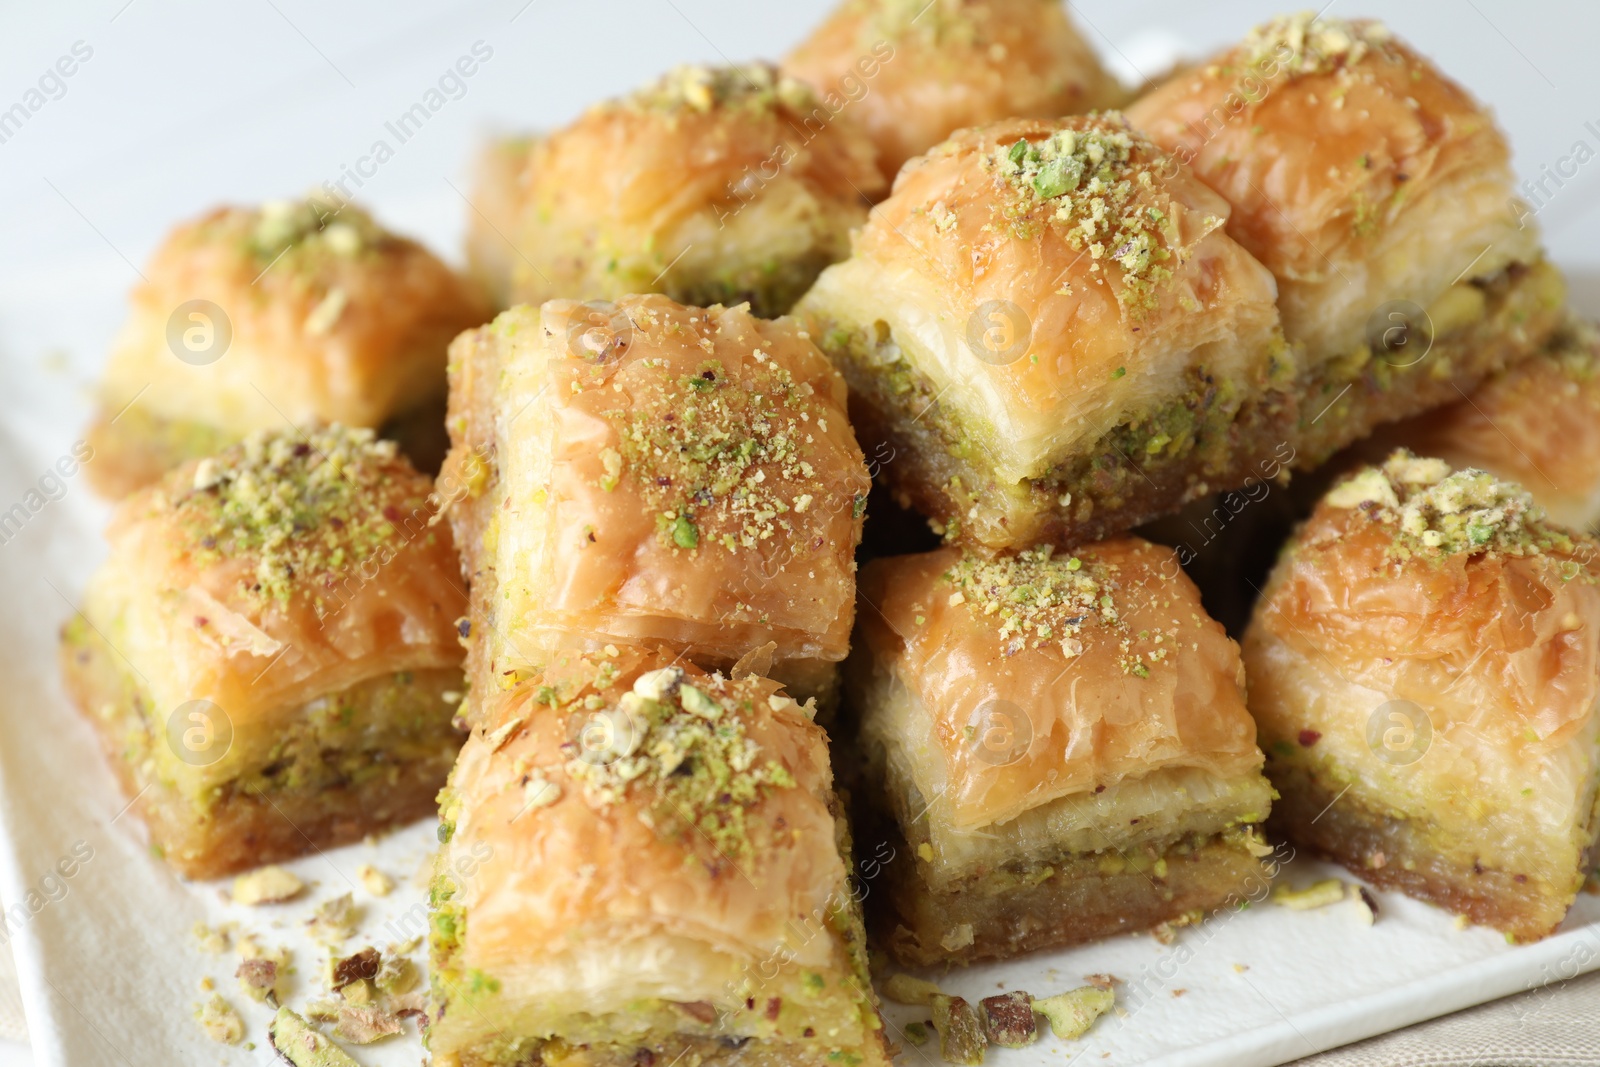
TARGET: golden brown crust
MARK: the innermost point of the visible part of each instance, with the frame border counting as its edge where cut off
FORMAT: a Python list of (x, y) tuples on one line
[(1355, 590), (1143, 681), (315, 314), (258, 582), (1430, 645), (630, 837), (735, 891), (700, 485), (1358, 173), (912, 73), (713, 186), (1032, 285)]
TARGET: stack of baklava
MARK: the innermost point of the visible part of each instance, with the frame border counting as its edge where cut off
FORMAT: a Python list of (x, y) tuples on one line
[(1295, 270)]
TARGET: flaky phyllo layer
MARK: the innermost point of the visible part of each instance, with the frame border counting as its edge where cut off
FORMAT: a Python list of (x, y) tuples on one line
[(1430, 641), (642, 855), (646, 472), (712, 185)]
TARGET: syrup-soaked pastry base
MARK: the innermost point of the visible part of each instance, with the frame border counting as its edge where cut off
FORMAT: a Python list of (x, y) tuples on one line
[(1120, 482), (1074, 899), (1399, 854), (353, 763)]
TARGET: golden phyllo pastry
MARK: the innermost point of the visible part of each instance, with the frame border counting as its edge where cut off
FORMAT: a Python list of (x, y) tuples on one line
[(711, 185), (646, 864), (1381, 196), (1536, 424), (270, 653), (912, 72), (1061, 743), (1050, 328), (647, 472), (1424, 667), (293, 313)]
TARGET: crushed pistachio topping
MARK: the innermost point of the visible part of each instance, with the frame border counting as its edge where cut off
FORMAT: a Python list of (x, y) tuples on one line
[(720, 460), (304, 509), (1091, 183), (1317, 895), (220, 1022), (1440, 512), (266, 885), (314, 226), (1070, 1014), (1307, 44), (753, 86), (936, 22), (1035, 598), (685, 746)]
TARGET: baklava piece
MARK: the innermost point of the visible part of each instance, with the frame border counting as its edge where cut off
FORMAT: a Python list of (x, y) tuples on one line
[(711, 185), (912, 72), (294, 313), (1424, 667), (1536, 424), (499, 191), (646, 864), (1060, 742), (1048, 328), (1381, 196), (270, 653), (648, 473)]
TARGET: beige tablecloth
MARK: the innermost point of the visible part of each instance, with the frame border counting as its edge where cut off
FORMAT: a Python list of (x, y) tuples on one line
[(1554, 1026)]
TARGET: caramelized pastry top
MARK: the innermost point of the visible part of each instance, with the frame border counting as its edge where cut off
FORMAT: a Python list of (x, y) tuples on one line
[(914, 71), (1449, 589), (1320, 133), (632, 796), (1097, 666), (286, 567)]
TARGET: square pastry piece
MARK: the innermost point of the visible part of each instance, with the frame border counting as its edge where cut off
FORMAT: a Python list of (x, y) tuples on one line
[(270, 651), (1381, 196), (913, 73), (1062, 743), (307, 311), (1050, 328), (712, 185), (646, 864), (1424, 667), (652, 473)]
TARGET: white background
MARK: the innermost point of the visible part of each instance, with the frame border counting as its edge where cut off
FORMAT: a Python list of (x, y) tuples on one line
[(186, 104)]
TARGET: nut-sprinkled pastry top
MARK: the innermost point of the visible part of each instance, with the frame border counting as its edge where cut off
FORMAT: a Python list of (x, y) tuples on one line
[(694, 186), (1326, 134), (912, 72), (675, 474), (1105, 653), (1106, 258), (1451, 589), (329, 317), (284, 568)]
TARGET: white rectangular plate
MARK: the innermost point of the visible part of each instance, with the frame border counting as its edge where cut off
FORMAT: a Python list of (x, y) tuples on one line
[(110, 967)]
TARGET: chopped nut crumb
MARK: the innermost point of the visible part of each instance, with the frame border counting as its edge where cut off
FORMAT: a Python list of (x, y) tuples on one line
[(1071, 1014), (1317, 895), (907, 989), (220, 1022), (374, 881), (268, 885)]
